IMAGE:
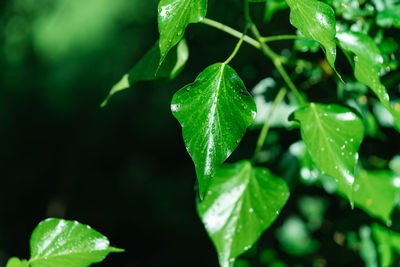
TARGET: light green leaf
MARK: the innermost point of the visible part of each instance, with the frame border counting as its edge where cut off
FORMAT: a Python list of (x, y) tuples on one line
[(367, 247), (368, 63), (332, 135), (377, 193), (387, 241), (214, 113), (146, 68), (15, 262), (173, 18), (389, 16), (62, 243), (315, 20), (242, 202)]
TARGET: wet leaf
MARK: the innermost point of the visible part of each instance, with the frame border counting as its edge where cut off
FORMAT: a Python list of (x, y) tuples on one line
[(332, 135), (242, 202), (315, 20), (146, 68), (367, 66), (214, 113), (62, 243), (173, 18)]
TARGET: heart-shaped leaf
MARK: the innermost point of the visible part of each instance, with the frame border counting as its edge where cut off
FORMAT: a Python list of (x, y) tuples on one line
[(332, 135), (146, 68), (173, 18), (242, 202), (315, 20), (368, 63), (63, 243), (214, 113)]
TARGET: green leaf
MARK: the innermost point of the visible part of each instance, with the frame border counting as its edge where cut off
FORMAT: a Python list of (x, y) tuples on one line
[(15, 262), (173, 18), (332, 135), (146, 68), (389, 16), (377, 193), (368, 63), (315, 20), (242, 202), (214, 113), (273, 6), (387, 241), (367, 247), (62, 243)]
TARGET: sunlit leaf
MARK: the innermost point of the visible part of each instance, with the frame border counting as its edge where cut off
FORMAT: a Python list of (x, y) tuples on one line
[(389, 16), (367, 66), (173, 18), (388, 241), (315, 20), (62, 243), (242, 202), (146, 68), (214, 113), (332, 135), (15, 262)]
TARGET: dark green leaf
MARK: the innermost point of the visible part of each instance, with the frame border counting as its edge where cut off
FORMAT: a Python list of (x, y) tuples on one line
[(273, 6), (214, 113), (62, 243), (368, 63), (15, 262), (173, 18), (315, 20), (242, 202), (146, 68), (333, 135), (387, 241)]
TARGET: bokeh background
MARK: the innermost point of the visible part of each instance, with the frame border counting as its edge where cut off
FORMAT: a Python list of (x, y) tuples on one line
[(123, 169)]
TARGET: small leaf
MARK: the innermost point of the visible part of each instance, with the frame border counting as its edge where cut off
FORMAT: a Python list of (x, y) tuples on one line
[(273, 6), (15, 262), (332, 135), (368, 64), (367, 247), (242, 202), (173, 18), (146, 68), (214, 113), (377, 193), (62, 243), (389, 16), (387, 241), (315, 20)]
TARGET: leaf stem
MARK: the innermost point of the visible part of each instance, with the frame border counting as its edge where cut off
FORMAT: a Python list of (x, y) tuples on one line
[(280, 38), (237, 47), (276, 59), (264, 131), (231, 31)]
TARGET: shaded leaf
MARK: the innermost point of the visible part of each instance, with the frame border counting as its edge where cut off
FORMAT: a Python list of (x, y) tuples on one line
[(315, 20), (242, 202), (173, 18), (273, 6), (15, 262), (214, 113), (146, 68), (62, 243), (332, 135), (377, 193), (367, 66), (388, 241)]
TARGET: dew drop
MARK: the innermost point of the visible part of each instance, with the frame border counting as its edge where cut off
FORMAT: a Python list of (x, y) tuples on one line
[(322, 148), (251, 210), (351, 140), (337, 129)]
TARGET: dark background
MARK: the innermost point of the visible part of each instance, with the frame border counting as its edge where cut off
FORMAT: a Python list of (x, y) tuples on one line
[(122, 169)]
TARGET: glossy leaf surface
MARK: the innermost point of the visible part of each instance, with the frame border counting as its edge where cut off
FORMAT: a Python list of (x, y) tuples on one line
[(62, 243), (315, 20), (388, 241), (242, 202), (367, 65), (173, 18), (146, 68), (332, 135), (15, 262), (214, 113)]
